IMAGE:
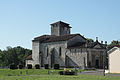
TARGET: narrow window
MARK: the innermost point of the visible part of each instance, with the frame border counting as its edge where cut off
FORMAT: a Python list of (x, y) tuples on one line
[(47, 52), (81, 50), (70, 51), (60, 51), (75, 50)]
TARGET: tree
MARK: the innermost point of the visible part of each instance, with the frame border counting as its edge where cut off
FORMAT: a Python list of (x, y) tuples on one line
[(16, 56), (90, 40), (114, 43)]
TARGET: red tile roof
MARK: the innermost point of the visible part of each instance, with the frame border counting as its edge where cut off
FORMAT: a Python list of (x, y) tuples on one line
[(86, 45), (59, 22), (62, 24), (29, 57), (51, 38)]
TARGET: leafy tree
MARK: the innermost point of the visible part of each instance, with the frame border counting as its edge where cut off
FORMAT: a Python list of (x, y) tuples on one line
[(90, 40), (16, 55), (114, 43)]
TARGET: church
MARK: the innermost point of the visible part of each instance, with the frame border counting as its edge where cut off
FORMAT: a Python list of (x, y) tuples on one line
[(66, 49)]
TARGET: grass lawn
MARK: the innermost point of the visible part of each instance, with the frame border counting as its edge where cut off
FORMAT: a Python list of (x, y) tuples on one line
[(41, 74)]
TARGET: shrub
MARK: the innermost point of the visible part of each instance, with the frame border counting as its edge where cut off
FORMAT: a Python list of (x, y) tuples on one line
[(12, 66), (67, 72), (61, 72), (20, 66), (37, 66), (46, 66), (70, 73), (29, 66), (56, 66)]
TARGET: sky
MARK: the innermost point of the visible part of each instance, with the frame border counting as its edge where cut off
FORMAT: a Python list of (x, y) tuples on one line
[(22, 20)]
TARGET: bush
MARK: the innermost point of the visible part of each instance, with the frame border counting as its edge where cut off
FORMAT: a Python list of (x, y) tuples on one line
[(37, 66), (20, 66), (56, 66), (12, 66), (67, 73), (70, 73), (61, 72), (46, 66), (29, 66)]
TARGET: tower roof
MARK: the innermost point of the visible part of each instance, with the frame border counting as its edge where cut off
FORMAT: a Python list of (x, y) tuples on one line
[(61, 23)]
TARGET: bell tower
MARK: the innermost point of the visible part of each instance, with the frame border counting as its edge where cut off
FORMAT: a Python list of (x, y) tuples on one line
[(60, 28)]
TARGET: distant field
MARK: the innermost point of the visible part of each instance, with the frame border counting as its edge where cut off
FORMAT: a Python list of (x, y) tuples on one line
[(41, 74)]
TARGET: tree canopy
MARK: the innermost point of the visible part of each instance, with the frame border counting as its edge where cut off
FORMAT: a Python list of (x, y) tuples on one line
[(16, 56), (90, 40), (114, 42)]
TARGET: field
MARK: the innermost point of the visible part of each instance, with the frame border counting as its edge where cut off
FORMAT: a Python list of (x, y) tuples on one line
[(41, 74)]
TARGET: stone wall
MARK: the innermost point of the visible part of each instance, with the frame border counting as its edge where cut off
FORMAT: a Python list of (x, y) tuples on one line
[(35, 52), (29, 62), (95, 58), (55, 30), (77, 58), (47, 49), (64, 30)]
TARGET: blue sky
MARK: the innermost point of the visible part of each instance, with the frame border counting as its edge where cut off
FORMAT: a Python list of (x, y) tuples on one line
[(22, 20)]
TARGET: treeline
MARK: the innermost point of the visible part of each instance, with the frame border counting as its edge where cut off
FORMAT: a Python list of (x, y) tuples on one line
[(16, 56)]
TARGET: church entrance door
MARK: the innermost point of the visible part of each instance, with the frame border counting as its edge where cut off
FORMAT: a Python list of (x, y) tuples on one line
[(97, 63)]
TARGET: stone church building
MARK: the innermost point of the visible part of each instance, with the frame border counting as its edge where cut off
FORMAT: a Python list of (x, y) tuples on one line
[(66, 49)]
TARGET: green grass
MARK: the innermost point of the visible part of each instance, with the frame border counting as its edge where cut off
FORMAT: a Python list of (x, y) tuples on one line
[(42, 74), (22, 72)]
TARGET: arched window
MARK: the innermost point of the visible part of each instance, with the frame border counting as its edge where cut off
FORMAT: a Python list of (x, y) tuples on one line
[(60, 51)]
